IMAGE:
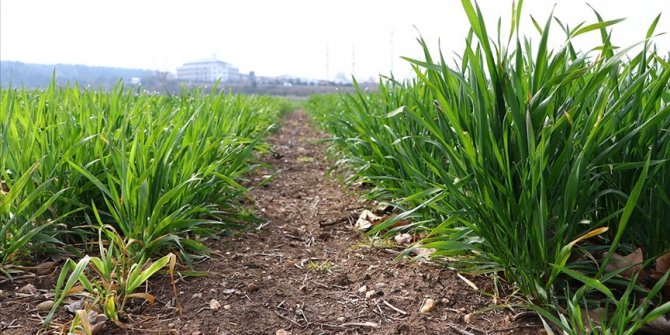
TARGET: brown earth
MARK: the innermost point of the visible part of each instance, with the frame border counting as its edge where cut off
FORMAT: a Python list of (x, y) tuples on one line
[(307, 271)]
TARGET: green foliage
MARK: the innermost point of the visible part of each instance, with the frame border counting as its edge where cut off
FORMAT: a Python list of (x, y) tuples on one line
[(533, 160), (20, 228), (162, 170), (154, 173), (112, 278)]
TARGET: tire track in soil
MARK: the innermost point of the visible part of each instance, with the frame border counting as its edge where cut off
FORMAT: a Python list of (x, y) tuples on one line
[(305, 277)]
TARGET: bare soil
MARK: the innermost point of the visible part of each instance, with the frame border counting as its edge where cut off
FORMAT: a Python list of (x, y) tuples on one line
[(307, 271)]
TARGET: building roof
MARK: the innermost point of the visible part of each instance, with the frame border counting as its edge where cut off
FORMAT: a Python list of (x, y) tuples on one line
[(205, 61)]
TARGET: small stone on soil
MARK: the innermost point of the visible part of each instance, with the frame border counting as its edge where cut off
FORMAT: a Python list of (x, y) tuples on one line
[(214, 304), (282, 332), (362, 289), (428, 306), (45, 305)]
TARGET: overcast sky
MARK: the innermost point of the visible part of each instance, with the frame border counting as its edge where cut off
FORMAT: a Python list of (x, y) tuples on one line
[(296, 37)]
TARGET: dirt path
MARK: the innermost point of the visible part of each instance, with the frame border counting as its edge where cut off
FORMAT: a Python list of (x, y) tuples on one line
[(304, 274)]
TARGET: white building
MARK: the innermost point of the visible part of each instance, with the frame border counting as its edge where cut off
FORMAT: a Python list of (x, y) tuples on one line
[(208, 70)]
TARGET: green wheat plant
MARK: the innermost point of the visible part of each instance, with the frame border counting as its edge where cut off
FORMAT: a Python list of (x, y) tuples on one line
[(163, 170), (144, 176), (527, 161), (19, 228), (110, 280)]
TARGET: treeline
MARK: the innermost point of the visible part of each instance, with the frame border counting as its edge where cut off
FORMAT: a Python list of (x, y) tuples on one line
[(18, 74)]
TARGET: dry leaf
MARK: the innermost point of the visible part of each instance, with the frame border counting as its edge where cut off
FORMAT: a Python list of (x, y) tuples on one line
[(74, 306), (632, 263), (95, 317), (45, 268), (400, 223), (403, 238), (662, 266), (140, 295), (28, 289), (423, 252), (593, 318), (39, 269), (98, 327), (366, 219), (658, 326), (663, 263)]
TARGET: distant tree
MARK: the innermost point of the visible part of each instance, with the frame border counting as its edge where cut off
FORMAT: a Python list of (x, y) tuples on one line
[(18, 74)]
